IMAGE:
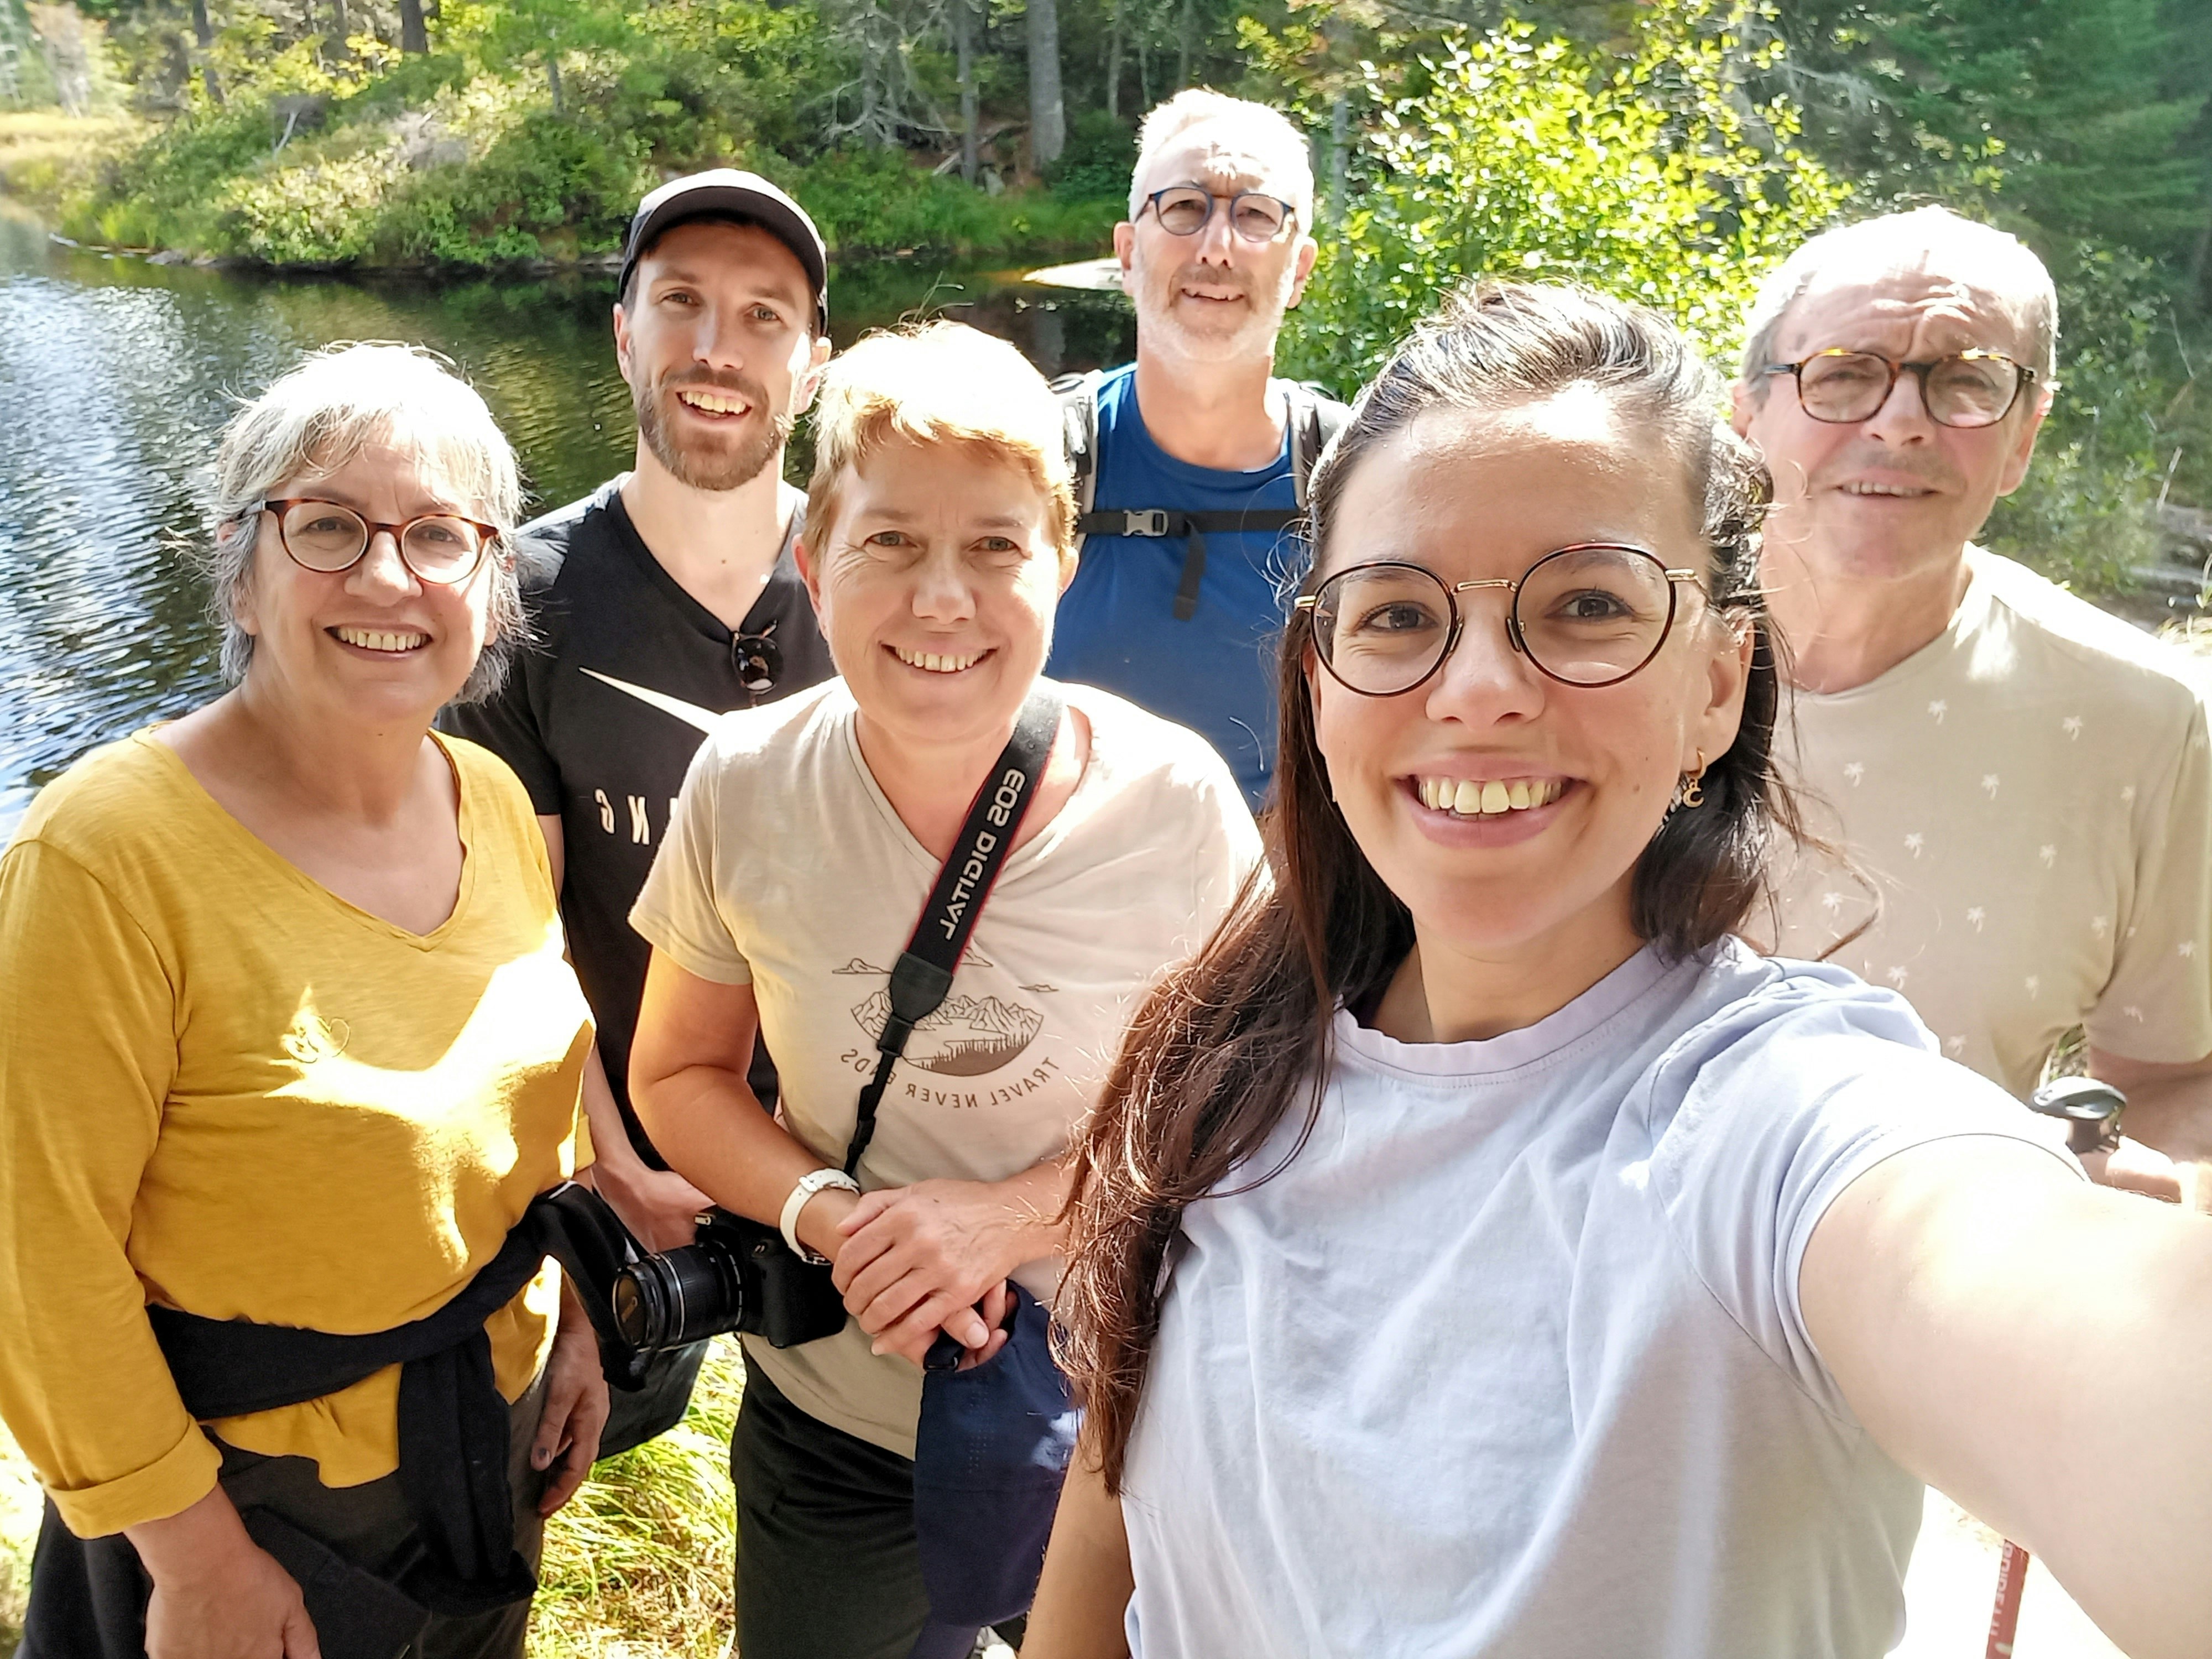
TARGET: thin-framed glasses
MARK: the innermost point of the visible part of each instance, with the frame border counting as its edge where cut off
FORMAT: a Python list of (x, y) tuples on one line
[(1966, 389), (329, 536), (1185, 210), (1588, 615)]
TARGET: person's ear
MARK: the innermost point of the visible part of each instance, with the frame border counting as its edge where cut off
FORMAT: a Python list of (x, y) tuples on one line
[(621, 342), (1125, 245), (2023, 445), (810, 378), (1309, 250), (1728, 679)]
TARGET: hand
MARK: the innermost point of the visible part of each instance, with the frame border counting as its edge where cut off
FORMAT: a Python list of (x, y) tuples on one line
[(216, 1594), (2132, 1167), (575, 1407), (660, 1206), (917, 1259)]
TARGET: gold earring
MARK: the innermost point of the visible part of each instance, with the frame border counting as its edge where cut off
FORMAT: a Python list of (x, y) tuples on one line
[(1693, 787)]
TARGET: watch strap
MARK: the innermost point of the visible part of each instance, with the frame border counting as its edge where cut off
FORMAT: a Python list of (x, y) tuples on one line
[(809, 1184)]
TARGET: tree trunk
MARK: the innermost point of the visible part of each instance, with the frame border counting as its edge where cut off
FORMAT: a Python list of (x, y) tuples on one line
[(1338, 137), (1184, 45), (340, 27), (553, 77), (203, 32), (413, 36), (1114, 66), (963, 45), (1048, 113)]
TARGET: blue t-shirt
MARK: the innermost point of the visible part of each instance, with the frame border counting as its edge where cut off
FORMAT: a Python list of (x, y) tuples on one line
[(1117, 628)]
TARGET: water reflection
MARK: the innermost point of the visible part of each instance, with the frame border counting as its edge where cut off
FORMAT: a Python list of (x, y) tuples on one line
[(116, 375)]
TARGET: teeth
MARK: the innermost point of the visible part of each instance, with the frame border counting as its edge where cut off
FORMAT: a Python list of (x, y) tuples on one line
[(714, 402), (1880, 490), (369, 639), (1469, 798), (936, 662)]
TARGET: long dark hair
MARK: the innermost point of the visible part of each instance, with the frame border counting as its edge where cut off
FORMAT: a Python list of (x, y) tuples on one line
[(1229, 1045)]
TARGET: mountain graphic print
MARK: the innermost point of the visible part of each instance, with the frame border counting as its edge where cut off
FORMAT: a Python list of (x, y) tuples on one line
[(966, 1036)]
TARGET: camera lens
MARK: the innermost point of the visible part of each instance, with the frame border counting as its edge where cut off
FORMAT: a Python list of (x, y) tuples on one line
[(679, 1297)]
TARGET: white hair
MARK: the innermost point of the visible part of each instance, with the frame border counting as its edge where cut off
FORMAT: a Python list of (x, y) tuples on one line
[(318, 417), (1993, 261), (1271, 132)]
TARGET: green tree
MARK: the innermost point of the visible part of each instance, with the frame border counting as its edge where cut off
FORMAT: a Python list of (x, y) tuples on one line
[(1658, 179)]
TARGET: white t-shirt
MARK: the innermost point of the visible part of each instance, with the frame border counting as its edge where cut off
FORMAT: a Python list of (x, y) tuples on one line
[(2031, 793), (786, 868), (1509, 1361)]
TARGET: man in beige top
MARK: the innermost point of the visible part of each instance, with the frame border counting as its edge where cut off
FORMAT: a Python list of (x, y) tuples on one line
[(2022, 782)]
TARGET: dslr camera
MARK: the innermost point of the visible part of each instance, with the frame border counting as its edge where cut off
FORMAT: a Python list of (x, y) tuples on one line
[(738, 1275)]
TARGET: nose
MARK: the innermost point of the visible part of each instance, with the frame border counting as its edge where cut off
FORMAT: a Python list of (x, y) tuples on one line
[(718, 340), (1484, 679), (380, 572), (1903, 416), (942, 591), (1216, 237)]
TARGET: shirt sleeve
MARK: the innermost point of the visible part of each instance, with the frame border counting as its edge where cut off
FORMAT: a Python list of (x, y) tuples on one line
[(88, 1054), (1227, 848), (676, 911), (1778, 1107), (2157, 1007), (506, 723)]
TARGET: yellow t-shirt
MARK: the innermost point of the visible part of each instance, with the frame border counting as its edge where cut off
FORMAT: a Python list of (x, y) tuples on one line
[(224, 1089)]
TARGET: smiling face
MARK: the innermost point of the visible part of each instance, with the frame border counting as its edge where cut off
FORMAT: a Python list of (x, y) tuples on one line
[(1897, 494), (715, 345), (373, 641), (1214, 296), (935, 587), (1505, 810)]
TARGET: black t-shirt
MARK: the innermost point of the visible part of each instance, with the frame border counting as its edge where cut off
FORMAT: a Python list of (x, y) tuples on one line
[(602, 714)]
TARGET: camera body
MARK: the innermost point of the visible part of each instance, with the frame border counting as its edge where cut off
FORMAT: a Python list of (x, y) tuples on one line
[(737, 1275)]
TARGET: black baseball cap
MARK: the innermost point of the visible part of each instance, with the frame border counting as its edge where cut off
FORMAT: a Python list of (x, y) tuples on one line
[(727, 193)]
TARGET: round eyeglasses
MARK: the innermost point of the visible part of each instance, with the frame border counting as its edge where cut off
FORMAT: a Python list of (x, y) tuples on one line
[(1588, 615), (1185, 210), (1965, 389), (329, 537)]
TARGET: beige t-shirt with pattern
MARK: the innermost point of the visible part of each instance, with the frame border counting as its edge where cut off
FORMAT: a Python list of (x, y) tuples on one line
[(786, 867), (2031, 794)]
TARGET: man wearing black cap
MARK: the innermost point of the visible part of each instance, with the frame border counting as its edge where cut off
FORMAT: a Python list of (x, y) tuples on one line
[(661, 600)]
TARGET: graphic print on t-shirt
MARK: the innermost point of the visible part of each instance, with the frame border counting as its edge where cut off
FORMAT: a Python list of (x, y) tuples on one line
[(966, 1036)]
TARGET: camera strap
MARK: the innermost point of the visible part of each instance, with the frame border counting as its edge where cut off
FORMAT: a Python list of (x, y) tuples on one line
[(922, 976)]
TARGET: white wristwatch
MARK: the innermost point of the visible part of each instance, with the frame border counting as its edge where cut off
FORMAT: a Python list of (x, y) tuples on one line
[(809, 1184)]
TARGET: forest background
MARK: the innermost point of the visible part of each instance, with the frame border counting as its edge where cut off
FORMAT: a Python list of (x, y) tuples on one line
[(1668, 151)]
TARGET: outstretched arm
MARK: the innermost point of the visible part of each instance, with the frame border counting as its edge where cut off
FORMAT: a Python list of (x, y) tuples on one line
[(1083, 1599), (2041, 1351), (2169, 1108)]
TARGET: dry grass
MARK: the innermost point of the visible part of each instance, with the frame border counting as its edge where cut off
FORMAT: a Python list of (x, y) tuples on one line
[(45, 156), (638, 1564)]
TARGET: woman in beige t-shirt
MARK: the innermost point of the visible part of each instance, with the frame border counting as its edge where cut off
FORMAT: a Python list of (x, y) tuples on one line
[(807, 838)]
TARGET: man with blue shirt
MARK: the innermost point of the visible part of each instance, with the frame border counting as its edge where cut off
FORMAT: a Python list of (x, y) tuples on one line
[(1200, 454)]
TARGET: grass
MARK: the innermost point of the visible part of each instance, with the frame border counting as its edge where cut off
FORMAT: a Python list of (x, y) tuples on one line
[(45, 156), (638, 1564)]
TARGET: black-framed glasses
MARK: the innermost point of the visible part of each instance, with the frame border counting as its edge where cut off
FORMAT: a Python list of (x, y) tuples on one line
[(329, 536), (1966, 389), (1185, 210), (1588, 615)]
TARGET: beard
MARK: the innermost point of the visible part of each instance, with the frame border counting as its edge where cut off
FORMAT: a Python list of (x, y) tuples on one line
[(707, 460), (1253, 329)]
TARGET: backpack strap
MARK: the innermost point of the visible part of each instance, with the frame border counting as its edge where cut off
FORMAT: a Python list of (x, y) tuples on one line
[(1078, 421)]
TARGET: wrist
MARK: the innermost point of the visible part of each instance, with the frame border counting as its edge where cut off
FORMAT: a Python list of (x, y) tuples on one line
[(182, 1544), (816, 1223)]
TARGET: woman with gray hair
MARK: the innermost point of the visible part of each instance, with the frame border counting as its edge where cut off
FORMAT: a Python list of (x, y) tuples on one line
[(286, 1039)]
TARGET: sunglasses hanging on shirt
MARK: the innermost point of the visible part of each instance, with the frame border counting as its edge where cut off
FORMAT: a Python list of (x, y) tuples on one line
[(758, 659)]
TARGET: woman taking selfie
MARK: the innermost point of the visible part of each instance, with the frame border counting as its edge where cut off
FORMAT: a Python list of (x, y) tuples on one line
[(286, 1039), (1478, 1250), (808, 839)]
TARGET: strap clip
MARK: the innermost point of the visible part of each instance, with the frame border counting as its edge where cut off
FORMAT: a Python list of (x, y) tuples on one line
[(1144, 521)]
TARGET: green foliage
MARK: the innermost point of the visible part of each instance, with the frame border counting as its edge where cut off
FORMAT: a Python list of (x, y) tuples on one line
[(1096, 165), (1654, 178)]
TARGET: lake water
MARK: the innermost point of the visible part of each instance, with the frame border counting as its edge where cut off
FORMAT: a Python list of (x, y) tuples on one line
[(116, 376)]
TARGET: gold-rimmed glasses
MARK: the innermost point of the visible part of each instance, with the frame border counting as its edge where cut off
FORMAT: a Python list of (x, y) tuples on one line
[(1589, 615), (1967, 389)]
